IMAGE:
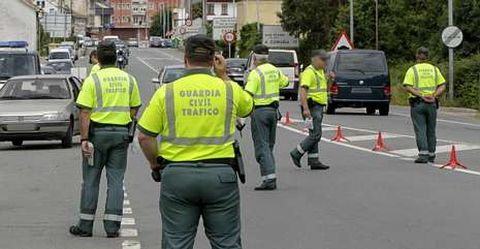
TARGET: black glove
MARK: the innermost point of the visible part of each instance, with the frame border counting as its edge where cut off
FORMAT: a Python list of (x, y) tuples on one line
[(157, 176)]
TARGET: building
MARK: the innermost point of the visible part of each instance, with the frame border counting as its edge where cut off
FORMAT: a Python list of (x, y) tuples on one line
[(18, 20), (267, 9), (220, 8), (76, 10)]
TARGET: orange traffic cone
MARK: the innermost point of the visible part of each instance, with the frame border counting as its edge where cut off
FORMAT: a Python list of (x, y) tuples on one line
[(287, 121), (454, 163), (380, 144), (339, 137)]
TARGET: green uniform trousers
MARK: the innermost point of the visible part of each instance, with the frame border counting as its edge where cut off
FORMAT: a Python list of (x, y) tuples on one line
[(264, 130), (111, 149), (310, 143), (424, 118), (191, 190)]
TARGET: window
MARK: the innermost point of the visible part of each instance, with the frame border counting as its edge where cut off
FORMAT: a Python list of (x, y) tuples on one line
[(224, 9), (210, 9)]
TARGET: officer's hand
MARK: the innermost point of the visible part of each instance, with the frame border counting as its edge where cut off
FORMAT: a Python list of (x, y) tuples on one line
[(428, 99), (306, 113), (220, 66), (156, 176), (85, 150), (332, 75)]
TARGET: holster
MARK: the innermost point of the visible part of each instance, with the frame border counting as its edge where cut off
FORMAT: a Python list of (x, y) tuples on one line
[(132, 127), (238, 165)]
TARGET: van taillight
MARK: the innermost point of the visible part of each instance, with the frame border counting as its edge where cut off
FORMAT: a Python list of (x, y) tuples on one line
[(387, 90), (297, 69), (334, 89)]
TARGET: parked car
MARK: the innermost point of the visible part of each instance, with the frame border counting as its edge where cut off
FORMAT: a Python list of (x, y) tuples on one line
[(59, 54), (39, 107), (236, 69), (362, 81), (287, 62), (72, 48), (132, 42), (169, 74), (61, 66), (155, 41), (88, 42), (48, 70), (16, 59), (167, 43)]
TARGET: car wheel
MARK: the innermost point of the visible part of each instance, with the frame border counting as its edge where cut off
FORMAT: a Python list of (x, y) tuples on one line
[(371, 110), (330, 109), (17, 142), (67, 141), (384, 110)]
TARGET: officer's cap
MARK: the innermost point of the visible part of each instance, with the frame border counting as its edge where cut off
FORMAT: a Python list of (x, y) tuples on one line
[(422, 50), (200, 45), (260, 49), (106, 48), (320, 53)]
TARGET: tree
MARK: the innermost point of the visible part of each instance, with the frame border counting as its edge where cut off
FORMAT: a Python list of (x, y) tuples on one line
[(156, 29), (250, 37)]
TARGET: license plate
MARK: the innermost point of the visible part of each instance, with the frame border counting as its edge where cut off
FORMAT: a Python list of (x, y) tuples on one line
[(21, 127), (362, 90)]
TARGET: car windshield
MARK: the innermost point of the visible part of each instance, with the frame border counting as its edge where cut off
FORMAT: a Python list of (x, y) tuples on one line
[(16, 64), (64, 67), (236, 63), (173, 74), (361, 62), (58, 56), (281, 59), (35, 89)]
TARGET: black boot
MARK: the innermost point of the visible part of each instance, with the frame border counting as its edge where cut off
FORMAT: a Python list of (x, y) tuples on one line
[(422, 160), (270, 184), (317, 165), (113, 235), (431, 159), (296, 157), (75, 230)]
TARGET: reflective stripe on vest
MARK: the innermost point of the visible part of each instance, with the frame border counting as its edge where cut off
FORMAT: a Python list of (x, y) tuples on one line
[(319, 88), (263, 87), (99, 93), (417, 80), (172, 136)]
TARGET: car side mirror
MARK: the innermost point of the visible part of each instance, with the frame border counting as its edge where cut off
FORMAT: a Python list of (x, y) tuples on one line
[(156, 81)]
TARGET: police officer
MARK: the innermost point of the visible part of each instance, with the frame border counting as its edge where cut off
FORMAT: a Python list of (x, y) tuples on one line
[(424, 83), (195, 117), (264, 83), (313, 97), (94, 62), (109, 100)]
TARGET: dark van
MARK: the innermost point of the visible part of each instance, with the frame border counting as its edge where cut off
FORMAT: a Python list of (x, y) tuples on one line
[(362, 81)]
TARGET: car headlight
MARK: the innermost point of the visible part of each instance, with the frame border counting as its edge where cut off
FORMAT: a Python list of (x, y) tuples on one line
[(55, 116)]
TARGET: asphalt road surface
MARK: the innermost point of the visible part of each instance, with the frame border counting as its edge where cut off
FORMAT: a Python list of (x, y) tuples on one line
[(367, 200)]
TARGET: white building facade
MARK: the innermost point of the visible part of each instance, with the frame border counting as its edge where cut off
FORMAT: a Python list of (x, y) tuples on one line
[(220, 8), (18, 21)]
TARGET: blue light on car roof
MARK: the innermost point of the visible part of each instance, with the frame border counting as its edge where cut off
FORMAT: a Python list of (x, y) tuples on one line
[(13, 44)]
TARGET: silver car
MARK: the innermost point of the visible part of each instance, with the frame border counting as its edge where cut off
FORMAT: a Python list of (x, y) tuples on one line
[(39, 107), (169, 74)]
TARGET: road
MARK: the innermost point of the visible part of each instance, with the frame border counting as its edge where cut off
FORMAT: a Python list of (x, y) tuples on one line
[(366, 200)]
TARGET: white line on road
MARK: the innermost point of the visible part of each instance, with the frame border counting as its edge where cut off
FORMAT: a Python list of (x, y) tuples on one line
[(128, 232), (372, 137), (126, 202), (441, 120), (148, 65), (128, 221), (127, 210), (440, 149), (131, 244)]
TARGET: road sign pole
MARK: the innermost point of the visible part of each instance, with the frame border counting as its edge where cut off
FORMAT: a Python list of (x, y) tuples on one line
[(229, 50), (450, 55), (351, 21)]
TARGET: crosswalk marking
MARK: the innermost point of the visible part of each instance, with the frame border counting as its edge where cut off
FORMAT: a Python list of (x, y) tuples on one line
[(126, 202), (440, 149), (128, 232), (127, 210), (131, 244), (128, 221)]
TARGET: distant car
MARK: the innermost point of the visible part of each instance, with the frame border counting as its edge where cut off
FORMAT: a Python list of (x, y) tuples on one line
[(88, 42), (39, 107), (132, 42), (167, 43), (61, 66), (155, 41), (362, 81), (16, 59), (111, 38), (59, 54), (70, 46), (287, 62), (169, 74), (48, 70), (236, 68)]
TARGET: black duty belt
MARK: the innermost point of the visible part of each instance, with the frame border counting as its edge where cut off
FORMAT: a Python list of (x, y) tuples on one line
[(101, 125), (274, 105), (311, 103), (228, 161)]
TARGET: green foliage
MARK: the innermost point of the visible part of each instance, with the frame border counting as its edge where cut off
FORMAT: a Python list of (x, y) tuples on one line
[(44, 41), (156, 29), (467, 76), (197, 10), (250, 37)]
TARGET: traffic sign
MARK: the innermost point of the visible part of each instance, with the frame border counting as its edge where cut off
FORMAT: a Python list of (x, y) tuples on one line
[(188, 22), (229, 37), (183, 30), (343, 42), (452, 36)]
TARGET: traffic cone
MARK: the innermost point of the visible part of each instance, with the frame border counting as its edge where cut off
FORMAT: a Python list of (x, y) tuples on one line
[(380, 144), (339, 137), (454, 163), (286, 120)]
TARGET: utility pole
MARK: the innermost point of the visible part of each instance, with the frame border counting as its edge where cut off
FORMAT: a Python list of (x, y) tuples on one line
[(204, 15), (258, 15), (450, 55), (376, 24), (351, 22), (163, 19)]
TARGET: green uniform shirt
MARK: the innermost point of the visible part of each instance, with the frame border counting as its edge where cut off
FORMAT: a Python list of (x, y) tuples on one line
[(264, 84), (95, 68), (424, 77), (195, 116), (316, 82), (110, 93)]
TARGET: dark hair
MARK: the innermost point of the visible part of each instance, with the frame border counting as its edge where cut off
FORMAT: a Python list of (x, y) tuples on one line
[(261, 49), (92, 54), (200, 49), (106, 53)]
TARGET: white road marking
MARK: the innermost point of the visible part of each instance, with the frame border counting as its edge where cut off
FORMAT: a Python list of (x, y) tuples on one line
[(440, 149), (127, 210), (128, 232), (148, 65), (126, 202), (128, 221), (372, 137), (441, 120), (170, 56), (125, 195), (131, 244), (329, 128)]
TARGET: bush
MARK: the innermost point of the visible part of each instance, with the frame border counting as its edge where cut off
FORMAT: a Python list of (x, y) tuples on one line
[(250, 37)]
